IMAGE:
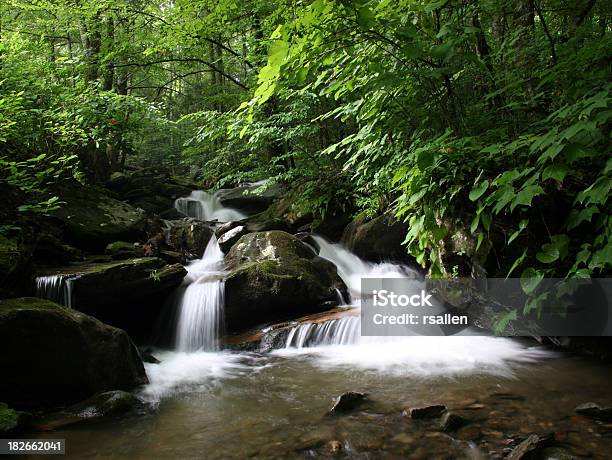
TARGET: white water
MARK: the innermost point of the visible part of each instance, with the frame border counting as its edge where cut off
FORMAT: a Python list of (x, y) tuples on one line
[(203, 205), (57, 288), (200, 309), (339, 343)]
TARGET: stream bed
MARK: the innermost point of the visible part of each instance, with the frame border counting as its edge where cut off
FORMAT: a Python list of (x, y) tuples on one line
[(219, 405)]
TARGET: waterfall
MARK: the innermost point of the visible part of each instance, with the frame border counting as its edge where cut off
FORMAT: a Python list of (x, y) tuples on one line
[(351, 268), (203, 205), (347, 330), (200, 307), (341, 331), (57, 288)]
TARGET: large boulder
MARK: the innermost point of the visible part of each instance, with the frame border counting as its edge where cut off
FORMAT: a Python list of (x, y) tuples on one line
[(378, 239), (125, 293), (55, 356), (274, 276), (91, 219), (189, 236), (251, 198)]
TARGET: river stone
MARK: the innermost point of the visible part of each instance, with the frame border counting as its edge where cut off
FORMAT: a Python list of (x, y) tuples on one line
[(229, 238), (531, 446), (378, 239), (126, 293), (100, 406), (92, 219), (60, 356), (189, 236), (346, 402), (273, 276), (452, 422), (427, 412), (593, 410)]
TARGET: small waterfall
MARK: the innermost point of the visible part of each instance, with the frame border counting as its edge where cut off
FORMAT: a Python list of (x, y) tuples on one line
[(203, 205), (346, 330), (200, 308), (351, 268), (57, 288), (341, 331)]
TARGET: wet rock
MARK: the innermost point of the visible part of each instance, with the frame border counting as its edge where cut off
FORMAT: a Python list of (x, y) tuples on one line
[(250, 198), (426, 412), (226, 227), (272, 276), (61, 356), (531, 446), (189, 236), (92, 219), (264, 225), (120, 250), (171, 257), (346, 402), (127, 293), (230, 237), (556, 453), (593, 410), (50, 249), (147, 356), (99, 406), (452, 422), (378, 239), (332, 448), (12, 421)]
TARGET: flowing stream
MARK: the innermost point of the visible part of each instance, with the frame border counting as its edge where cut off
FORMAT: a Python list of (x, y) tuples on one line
[(211, 403)]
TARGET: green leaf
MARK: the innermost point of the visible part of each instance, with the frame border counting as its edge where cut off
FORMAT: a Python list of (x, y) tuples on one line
[(522, 225), (478, 190), (530, 279), (525, 196), (556, 172), (502, 323)]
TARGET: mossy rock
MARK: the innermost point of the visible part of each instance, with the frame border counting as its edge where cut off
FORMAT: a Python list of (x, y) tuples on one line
[(91, 219), (274, 276), (125, 293), (60, 356), (378, 239), (124, 250)]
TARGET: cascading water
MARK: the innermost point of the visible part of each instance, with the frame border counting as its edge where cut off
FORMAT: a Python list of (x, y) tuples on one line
[(203, 205), (200, 310), (57, 288)]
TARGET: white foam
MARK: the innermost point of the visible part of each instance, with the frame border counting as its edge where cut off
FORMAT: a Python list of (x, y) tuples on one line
[(424, 356), (180, 372)]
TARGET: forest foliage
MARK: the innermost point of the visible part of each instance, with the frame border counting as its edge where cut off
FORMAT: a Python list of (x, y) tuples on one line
[(488, 116)]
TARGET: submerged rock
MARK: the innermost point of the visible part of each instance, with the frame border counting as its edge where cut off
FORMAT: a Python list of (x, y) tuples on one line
[(427, 412), (593, 410), (530, 447), (61, 356), (452, 422), (99, 406), (273, 276), (378, 239), (346, 402)]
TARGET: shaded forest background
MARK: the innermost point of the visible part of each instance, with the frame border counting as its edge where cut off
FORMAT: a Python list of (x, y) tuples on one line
[(484, 120)]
